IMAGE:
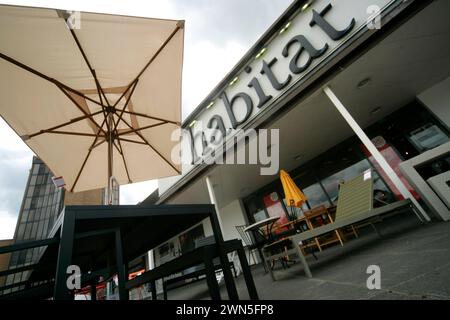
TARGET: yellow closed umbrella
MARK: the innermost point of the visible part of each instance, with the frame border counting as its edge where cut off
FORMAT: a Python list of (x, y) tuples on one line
[(294, 197)]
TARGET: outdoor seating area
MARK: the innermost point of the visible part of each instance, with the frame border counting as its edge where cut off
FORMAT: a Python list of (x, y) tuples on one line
[(321, 226), (414, 261)]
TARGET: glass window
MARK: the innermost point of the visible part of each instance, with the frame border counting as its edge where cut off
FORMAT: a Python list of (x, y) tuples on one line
[(24, 275), (255, 209), (39, 234), (34, 230), (30, 192), (331, 183), (27, 231), (27, 203), (25, 213), (40, 180), (21, 259), (29, 256), (316, 196), (260, 215), (20, 231), (14, 258), (33, 180), (9, 279)]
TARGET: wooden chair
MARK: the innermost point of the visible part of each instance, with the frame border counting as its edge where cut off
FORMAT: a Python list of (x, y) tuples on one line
[(322, 211)]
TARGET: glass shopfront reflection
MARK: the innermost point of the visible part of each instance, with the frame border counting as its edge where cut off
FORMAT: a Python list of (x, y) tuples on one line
[(405, 133), (316, 196), (318, 180)]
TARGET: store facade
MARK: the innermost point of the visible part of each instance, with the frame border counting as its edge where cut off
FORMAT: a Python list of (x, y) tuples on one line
[(387, 62)]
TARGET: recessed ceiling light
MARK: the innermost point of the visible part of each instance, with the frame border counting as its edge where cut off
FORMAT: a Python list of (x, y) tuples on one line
[(233, 81), (375, 110), (210, 105), (261, 53), (285, 27), (363, 83), (306, 5)]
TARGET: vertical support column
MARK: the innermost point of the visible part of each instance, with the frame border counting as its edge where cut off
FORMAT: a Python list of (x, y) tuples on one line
[(217, 226), (151, 260), (61, 292), (122, 275), (375, 153), (212, 198)]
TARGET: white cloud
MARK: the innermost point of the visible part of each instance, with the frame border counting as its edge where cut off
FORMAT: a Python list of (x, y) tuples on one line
[(207, 63), (136, 192)]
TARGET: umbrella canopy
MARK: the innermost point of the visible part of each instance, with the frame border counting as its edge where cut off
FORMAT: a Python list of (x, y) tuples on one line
[(294, 197), (93, 95)]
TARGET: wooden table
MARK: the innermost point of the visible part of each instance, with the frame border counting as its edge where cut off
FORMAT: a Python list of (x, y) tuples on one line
[(309, 217)]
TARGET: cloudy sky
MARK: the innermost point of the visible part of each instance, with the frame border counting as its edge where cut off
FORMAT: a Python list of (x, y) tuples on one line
[(217, 35)]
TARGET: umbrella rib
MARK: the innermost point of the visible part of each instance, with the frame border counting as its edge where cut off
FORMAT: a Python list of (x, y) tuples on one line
[(98, 144), (151, 117), (151, 146), (62, 125), (124, 162), (87, 156), (125, 105), (178, 27), (132, 141), (72, 133), (97, 83), (43, 76), (142, 128), (115, 145), (83, 111)]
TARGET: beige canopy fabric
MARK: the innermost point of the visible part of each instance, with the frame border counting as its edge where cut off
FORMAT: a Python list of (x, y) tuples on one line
[(70, 90)]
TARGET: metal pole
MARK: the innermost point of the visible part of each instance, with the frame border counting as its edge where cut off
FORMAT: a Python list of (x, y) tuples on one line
[(110, 158), (375, 153)]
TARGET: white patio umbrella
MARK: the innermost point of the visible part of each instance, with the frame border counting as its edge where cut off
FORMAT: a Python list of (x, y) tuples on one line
[(95, 96)]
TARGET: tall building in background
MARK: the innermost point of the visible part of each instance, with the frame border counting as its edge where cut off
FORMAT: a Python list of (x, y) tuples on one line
[(41, 205)]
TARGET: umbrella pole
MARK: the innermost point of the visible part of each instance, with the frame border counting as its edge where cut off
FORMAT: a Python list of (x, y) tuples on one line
[(110, 158)]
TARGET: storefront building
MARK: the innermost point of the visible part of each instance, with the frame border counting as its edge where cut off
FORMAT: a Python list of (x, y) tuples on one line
[(328, 75)]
